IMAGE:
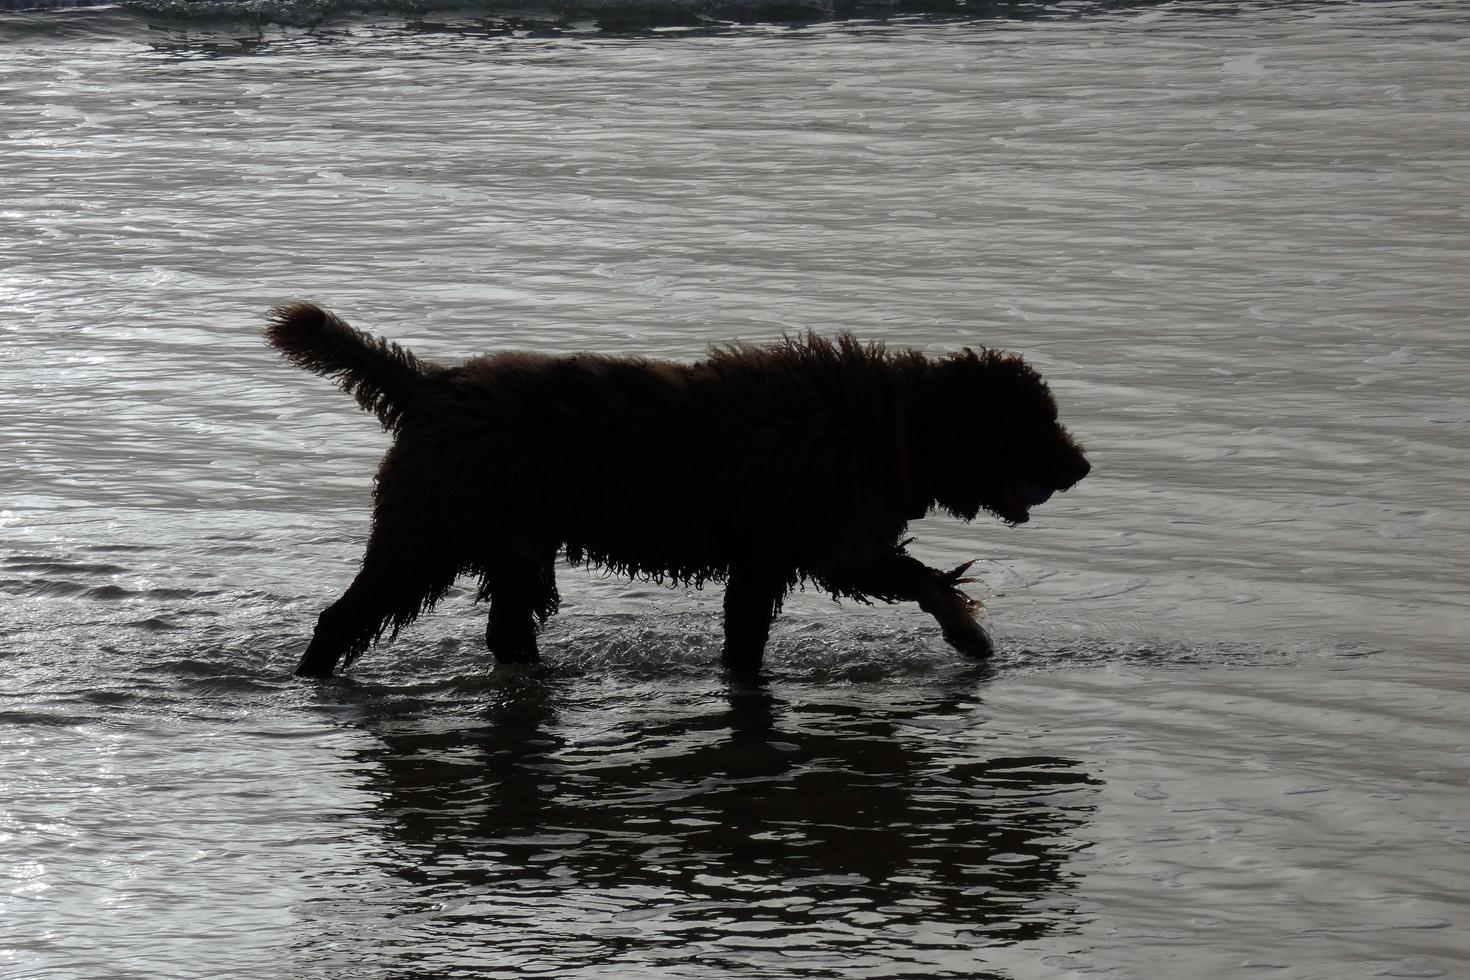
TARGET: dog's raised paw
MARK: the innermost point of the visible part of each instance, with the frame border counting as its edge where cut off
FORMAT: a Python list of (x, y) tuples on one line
[(956, 612)]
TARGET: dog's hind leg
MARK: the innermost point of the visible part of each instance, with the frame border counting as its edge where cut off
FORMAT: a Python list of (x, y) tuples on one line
[(522, 593), (346, 626), (752, 600), (382, 593), (510, 633), (408, 567)]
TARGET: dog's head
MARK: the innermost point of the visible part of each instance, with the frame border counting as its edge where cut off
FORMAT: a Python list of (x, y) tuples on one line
[(994, 442)]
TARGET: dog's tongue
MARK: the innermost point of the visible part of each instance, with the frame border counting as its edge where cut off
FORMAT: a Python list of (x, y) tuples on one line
[(1034, 495)]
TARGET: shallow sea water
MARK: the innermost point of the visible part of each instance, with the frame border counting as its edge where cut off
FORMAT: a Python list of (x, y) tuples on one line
[(1226, 733)]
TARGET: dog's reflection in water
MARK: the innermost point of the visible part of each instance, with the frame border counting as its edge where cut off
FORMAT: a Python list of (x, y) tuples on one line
[(840, 818)]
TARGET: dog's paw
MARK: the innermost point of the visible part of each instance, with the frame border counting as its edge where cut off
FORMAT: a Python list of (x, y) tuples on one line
[(968, 637), (957, 613)]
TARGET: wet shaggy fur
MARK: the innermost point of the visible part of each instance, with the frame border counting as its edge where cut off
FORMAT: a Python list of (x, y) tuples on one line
[(762, 467)]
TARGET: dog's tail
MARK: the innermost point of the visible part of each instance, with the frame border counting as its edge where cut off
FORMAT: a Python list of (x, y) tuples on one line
[(377, 372)]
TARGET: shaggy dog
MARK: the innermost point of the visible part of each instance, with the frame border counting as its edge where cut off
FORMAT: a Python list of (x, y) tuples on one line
[(762, 467)]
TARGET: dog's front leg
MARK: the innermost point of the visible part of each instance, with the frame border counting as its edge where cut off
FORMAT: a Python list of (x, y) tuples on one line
[(939, 594), (902, 577), (752, 600)]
